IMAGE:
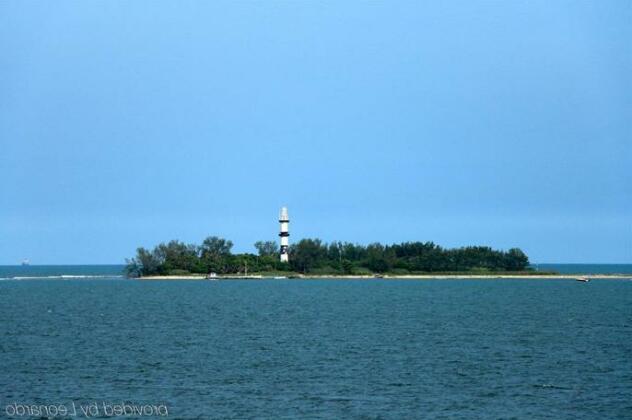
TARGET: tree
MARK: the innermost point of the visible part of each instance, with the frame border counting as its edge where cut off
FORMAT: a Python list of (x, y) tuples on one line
[(145, 263), (267, 248), (216, 246), (347, 267), (215, 255), (133, 268), (515, 259), (307, 254), (377, 258), (176, 255)]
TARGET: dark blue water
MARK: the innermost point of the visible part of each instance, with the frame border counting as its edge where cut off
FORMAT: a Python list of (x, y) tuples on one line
[(24, 272), (322, 348), (586, 268), (116, 270)]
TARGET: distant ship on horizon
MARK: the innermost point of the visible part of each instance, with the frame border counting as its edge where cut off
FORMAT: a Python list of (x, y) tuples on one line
[(26, 262)]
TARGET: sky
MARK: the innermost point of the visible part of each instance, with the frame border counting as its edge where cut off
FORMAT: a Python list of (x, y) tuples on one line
[(126, 124)]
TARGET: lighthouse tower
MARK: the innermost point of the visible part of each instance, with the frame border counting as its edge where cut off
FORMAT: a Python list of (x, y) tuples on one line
[(284, 221)]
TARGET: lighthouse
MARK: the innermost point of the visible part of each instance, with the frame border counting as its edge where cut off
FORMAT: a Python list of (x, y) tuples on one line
[(284, 221)]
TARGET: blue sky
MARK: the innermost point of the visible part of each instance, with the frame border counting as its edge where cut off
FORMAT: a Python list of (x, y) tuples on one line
[(494, 123)]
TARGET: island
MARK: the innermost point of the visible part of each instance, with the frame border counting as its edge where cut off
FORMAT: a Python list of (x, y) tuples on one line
[(315, 258)]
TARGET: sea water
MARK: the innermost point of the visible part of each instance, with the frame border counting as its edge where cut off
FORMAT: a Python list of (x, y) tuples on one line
[(26, 272), (457, 349), (585, 268)]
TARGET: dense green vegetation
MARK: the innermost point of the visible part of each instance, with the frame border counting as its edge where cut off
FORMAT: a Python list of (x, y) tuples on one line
[(312, 256)]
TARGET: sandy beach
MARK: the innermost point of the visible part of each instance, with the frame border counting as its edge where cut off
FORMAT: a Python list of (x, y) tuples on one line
[(403, 277)]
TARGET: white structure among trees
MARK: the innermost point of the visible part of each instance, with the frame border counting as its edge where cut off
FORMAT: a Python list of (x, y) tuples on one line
[(284, 221)]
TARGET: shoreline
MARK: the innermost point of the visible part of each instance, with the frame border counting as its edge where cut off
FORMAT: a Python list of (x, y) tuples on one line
[(399, 277)]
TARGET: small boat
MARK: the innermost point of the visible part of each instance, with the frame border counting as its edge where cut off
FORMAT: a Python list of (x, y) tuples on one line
[(212, 276), (26, 262), (583, 279)]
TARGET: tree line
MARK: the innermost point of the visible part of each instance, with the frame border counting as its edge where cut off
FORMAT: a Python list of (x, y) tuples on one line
[(314, 256)]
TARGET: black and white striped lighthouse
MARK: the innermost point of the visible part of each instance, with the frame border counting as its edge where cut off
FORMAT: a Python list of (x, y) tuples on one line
[(284, 221)]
